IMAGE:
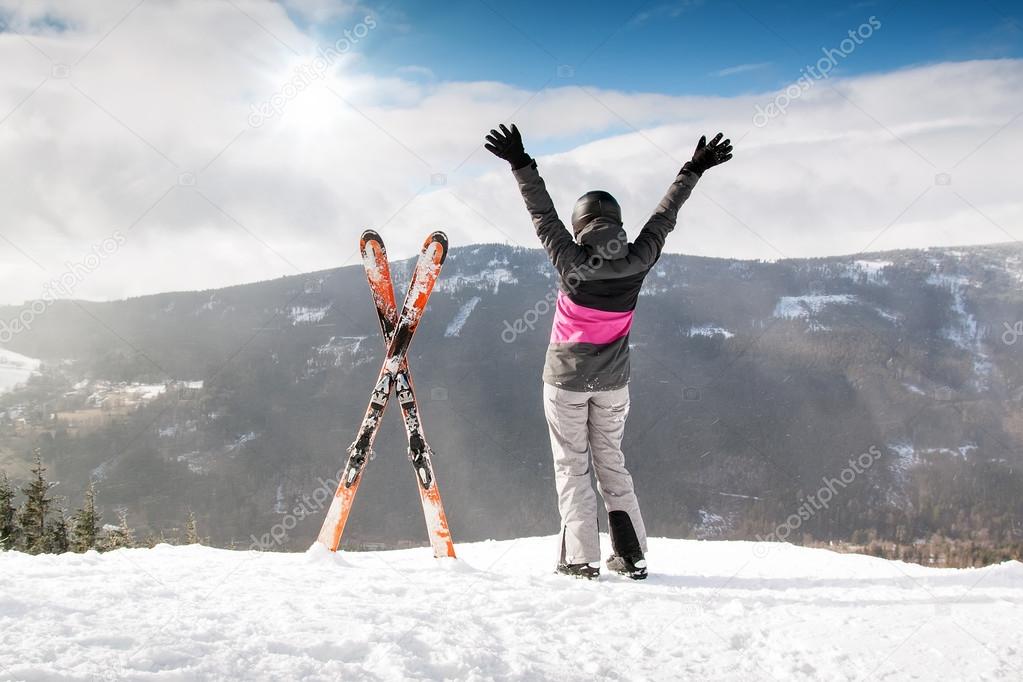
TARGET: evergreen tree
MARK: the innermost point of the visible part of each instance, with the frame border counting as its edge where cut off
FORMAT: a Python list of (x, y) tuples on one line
[(8, 527), (86, 523), (122, 536), (32, 515), (191, 530), (57, 535)]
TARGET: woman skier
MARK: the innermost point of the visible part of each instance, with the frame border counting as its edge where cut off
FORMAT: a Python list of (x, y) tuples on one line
[(586, 373)]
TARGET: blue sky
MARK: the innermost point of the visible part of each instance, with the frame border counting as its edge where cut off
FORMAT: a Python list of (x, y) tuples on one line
[(685, 47)]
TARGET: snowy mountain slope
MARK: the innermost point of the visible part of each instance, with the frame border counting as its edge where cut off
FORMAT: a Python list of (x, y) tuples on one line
[(15, 369), (711, 610), (752, 384)]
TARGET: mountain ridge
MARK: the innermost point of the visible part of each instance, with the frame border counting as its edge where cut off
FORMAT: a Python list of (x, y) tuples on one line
[(752, 381), (455, 249)]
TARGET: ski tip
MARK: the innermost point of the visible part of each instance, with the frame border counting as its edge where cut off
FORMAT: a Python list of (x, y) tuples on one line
[(371, 236), (438, 237)]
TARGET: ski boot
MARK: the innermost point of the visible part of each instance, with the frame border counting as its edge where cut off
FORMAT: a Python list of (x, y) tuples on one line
[(632, 567), (587, 571), (627, 559)]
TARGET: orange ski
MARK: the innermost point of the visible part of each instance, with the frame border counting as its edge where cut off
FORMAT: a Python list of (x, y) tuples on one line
[(378, 274), (424, 277)]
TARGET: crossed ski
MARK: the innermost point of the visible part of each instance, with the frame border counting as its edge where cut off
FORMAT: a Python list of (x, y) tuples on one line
[(397, 330)]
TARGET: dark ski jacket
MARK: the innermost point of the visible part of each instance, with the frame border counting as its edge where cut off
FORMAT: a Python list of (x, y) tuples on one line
[(599, 280)]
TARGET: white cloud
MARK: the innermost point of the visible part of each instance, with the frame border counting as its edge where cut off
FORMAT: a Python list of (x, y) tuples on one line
[(166, 96), (741, 68)]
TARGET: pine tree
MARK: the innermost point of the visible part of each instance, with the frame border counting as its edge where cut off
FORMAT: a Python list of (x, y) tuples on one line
[(122, 536), (8, 527), (32, 515), (57, 535), (191, 530), (86, 523)]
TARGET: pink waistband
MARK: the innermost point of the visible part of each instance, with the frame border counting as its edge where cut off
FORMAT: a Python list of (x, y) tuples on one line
[(574, 323)]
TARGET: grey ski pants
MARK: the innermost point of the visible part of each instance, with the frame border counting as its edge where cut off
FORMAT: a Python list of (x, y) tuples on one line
[(588, 427)]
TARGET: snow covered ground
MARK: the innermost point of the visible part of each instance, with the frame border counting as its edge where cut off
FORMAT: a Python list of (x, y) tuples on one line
[(711, 610), (794, 307), (710, 330), (461, 317), (15, 369)]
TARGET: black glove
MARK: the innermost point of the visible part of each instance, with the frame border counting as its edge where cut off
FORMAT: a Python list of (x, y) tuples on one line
[(709, 154), (507, 145)]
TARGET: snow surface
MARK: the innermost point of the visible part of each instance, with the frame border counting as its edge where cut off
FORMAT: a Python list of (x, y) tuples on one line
[(873, 270), (710, 330), (145, 392), (307, 315), (709, 611), (489, 279), (120, 393), (794, 307), (15, 369), (964, 331), (461, 317), (342, 351), (913, 388)]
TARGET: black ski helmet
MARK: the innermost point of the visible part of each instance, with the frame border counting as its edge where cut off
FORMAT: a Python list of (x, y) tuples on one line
[(595, 204)]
